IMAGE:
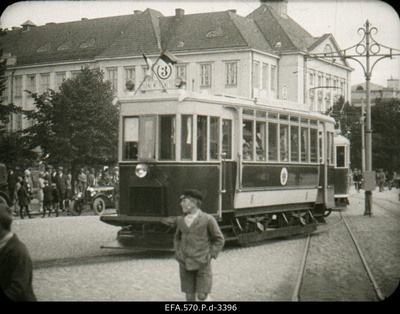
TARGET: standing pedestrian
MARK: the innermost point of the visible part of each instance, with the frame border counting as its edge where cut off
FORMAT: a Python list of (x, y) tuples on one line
[(12, 181), (23, 202), (198, 238), (16, 273), (68, 190), (357, 178), (91, 178), (56, 198), (82, 181), (47, 198), (61, 186), (40, 191), (381, 180)]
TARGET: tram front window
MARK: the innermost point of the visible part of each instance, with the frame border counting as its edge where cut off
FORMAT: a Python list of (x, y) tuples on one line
[(248, 140), (147, 137), (284, 142), (201, 138), (131, 138), (167, 137), (187, 135)]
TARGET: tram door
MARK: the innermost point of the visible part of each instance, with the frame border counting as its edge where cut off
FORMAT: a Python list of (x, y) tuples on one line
[(326, 193)]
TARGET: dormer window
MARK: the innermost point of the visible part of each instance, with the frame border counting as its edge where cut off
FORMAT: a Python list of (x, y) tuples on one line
[(88, 43), (328, 50), (215, 33), (44, 48), (64, 46)]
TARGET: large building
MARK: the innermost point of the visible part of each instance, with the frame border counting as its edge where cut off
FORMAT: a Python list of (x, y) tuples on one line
[(263, 55), (358, 92)]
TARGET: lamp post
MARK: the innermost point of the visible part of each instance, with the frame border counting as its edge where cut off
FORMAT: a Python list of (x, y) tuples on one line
[(367, 47)]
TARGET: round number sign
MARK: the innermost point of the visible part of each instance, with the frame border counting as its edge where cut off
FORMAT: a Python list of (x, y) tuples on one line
[(284, 176)]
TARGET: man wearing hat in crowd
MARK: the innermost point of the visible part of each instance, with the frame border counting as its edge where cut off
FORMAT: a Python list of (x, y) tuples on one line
[(198, 238)]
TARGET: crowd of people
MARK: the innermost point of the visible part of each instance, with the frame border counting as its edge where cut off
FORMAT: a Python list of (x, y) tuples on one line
[(383, 178), (54, 187)]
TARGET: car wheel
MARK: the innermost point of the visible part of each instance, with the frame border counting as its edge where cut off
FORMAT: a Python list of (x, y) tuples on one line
[(98, 206), (73, 208)]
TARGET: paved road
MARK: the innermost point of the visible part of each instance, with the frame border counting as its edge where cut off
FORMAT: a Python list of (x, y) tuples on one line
[(69, 264)]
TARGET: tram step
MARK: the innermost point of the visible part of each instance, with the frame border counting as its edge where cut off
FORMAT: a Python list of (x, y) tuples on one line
[(252, 237)]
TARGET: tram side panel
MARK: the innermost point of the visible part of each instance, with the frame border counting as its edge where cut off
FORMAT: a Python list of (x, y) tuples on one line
[(158, 193)]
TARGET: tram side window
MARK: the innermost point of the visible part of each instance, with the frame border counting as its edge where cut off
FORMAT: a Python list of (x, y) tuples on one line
[(272, 141), (167, 138), (304, 145), (214, 138), (284, 142), (201, 138), (147, 132), (248, 140), (227, 138), (187, 138), (131, 138), (340, 156), (260, 140), (313, 145), (294, 143)]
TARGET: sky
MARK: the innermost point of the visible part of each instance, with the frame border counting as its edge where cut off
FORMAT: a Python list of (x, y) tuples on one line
[(341, 18)]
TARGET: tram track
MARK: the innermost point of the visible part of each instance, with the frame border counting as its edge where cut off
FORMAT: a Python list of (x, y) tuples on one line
[(296, 297)]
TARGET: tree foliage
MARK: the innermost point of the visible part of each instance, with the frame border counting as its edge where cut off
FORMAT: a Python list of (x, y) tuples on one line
[(385, 120), (78, 124), (348, 121)]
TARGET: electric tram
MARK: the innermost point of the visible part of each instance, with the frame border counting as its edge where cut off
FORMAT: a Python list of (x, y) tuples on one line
[(342, 171), (265, 169)]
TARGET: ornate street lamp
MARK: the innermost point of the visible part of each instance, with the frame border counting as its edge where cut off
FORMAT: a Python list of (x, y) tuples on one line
[(367, 47)]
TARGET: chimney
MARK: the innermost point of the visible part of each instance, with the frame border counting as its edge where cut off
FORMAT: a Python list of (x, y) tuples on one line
[(279, 6), (233, 11), (179, 13), (137, 11)]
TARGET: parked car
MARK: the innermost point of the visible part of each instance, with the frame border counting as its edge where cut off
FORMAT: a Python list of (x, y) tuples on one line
[(98, 198)]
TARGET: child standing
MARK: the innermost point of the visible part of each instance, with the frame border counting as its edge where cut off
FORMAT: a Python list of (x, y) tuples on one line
[(23, 199), (56, 198), (198, 238), (47, 198)]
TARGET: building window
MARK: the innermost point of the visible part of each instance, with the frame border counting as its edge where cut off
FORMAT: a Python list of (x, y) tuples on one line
[(130, 75), (205, 75), (18, 86), (60, 78), (311, 79), (31, 86), (231, 73), (44, 83), (265, 80), (273, 78), (256, 74), (112, 75), (181, 73)]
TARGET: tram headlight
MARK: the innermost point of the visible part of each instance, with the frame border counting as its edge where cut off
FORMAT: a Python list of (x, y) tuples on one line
[(141, 170)]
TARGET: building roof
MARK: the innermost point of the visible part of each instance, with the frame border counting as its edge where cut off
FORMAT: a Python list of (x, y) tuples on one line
[(127, 35), (82, 40), (207, 31)]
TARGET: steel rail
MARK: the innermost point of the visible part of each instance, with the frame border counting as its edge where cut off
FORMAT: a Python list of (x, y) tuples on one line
[(378, 292)]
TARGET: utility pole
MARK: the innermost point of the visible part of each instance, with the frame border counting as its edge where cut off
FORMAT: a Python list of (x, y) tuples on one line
[(367, 48)]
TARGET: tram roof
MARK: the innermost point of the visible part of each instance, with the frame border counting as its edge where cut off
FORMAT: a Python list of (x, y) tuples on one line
[(341, 140), (280, 106)]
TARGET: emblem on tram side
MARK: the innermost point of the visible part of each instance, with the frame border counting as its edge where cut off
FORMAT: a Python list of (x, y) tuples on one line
[(284, 176)]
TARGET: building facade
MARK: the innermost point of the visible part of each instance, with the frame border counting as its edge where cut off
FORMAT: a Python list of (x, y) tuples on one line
[(265, 55), (358, 92)]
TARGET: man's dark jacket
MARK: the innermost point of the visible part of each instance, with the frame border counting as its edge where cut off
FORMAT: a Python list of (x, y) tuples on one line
[(16, 271)]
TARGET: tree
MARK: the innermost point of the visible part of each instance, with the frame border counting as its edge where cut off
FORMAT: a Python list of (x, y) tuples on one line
[(77, 125), (385, 120), (348, 121)]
